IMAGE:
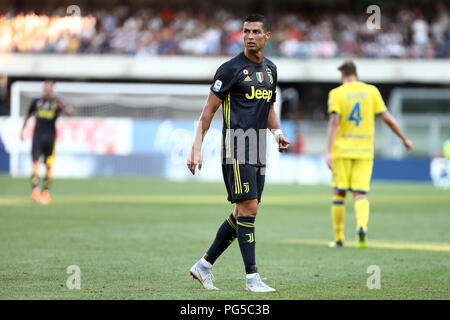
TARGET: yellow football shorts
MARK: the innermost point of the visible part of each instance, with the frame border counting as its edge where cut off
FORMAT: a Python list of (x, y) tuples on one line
[(352, 174)]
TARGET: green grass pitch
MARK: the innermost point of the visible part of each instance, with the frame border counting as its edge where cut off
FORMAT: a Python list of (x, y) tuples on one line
[(136, 238)]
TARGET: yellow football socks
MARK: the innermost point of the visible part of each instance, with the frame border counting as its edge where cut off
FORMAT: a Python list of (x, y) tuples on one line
[(338, 217), (362, 209)]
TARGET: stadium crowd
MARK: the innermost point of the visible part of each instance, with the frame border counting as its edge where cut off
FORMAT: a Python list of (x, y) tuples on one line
[(405, 33)]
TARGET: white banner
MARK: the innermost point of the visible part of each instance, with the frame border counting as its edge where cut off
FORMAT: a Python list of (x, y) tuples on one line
[(74, 135)]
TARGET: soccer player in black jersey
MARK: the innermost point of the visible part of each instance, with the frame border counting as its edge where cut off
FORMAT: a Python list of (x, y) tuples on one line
[(46, 110), (245, 86)]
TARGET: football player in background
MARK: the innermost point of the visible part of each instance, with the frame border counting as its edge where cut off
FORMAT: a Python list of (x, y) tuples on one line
[(46, 110), (349, 154)]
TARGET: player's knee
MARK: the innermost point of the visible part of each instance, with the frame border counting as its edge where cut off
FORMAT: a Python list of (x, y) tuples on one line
[(339, 193), (357, 195), (35, 166), (235, 212), (247, 208), (360, 196)]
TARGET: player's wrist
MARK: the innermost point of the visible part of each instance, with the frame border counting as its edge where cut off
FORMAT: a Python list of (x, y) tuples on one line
[(277, 132)]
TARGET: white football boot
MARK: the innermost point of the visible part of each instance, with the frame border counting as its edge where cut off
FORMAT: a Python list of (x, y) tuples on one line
[(204, 275), (255, 284)]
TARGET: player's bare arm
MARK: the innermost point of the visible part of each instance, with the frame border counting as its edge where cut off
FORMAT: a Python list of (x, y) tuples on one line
[(333, 126), (392, 123), (274, 126), (25, 120), (66, 110), (212, 104)]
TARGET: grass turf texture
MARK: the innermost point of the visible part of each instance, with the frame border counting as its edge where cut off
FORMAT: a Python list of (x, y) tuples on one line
[(136, 238)]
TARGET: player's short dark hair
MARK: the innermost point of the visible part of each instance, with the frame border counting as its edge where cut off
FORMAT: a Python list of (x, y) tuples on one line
[(254, 17), (348, 68)]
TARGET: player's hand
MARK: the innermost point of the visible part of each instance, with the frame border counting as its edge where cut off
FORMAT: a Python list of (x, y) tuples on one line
[(194, 159), (409, 145), (329, 160), (283, 143), (21, 136)]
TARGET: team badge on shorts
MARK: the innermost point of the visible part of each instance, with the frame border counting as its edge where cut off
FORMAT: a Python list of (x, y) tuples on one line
[(260, 76), (217, 85), (246, 187)]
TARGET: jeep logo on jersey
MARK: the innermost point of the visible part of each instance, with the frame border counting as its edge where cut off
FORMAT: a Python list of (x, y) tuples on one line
[(259, 94), (260, 76), (217, 85)]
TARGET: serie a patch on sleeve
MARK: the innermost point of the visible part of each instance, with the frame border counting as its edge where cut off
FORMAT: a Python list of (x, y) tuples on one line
[(217, 85)]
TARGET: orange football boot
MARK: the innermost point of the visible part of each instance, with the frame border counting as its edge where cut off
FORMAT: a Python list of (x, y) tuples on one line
[(45, 197), (36, 195)]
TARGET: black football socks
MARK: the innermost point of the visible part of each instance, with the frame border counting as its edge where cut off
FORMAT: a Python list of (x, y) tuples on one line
[(47, 182), (35, 180), (246, 238), (224, 237)]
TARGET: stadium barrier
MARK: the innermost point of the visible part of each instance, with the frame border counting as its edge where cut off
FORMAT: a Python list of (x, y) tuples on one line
[(109, 146), (189, 68), (159, 148), (140, 129)]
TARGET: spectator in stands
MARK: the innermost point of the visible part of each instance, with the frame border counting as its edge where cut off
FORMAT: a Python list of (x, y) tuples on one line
[(405, 33)]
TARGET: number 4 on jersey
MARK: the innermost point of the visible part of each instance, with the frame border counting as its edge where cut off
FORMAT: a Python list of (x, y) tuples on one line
[(355, 115)]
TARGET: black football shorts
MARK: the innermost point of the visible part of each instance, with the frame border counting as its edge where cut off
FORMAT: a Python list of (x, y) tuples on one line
[(43, 145), (243, 181)]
